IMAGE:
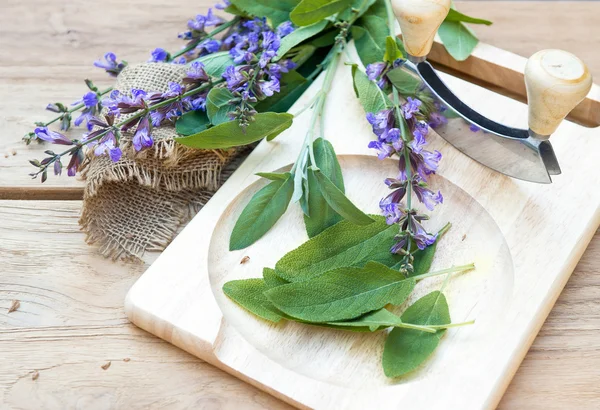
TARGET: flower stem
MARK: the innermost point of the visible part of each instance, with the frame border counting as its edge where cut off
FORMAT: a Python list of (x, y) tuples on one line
[(449, 325), (75, 108), (213, 33)]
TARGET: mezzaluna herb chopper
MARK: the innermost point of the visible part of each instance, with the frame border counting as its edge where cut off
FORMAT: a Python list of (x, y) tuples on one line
[(556, 82)]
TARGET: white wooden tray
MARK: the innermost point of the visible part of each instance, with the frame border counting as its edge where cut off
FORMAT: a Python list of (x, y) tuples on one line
[(525, 239)]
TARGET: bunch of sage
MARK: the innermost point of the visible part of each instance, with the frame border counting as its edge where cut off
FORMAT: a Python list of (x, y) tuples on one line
[(344, 278)]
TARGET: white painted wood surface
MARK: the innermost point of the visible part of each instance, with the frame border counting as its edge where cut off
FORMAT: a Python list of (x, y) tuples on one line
[(546, 229)]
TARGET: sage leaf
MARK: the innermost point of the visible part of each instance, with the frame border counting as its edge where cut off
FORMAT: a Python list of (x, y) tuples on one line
[(276, 11), (312, 11), (230, 134), (322, 216), (404, 81), (338, 201), (216, 63), (292, 86), (356, 9), (377, 320), (392, 52), (298, 36), (271, 279), (407, 349), (458, 39), (342, 245), (371, 97), (343, 293), (192, 123), (217, 105), (369, 35), (273, 176), (454, 15), (249, 294), (262, 212)]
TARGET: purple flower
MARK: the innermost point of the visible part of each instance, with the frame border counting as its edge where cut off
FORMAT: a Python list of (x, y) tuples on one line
[(392, 211), (411, 107), (208, 47), (108, 146), (234, 77), (422, 238), (436, 119), (54, 137), (75, 162), (158, 55), (430, 162), (375, 70), (383, 150), (427, 196), (90, 101), (285, 28), (180, 60), (382, 122), (270, 87), (57, 167), (200, 22), (224, 5), (110, 64), (142, 138), (196, 75)]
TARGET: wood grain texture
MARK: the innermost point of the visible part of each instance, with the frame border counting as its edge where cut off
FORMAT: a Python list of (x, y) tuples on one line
[(180, 297), (47, 48)]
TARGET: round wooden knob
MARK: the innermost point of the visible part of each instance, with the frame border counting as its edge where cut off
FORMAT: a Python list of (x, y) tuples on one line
[(419, 21), (556, 82)]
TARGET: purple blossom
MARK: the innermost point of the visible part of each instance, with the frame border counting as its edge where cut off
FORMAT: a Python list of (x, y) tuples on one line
[(110, 64), (180, 60), (200, 22), (392, 211), (411, 107), (427, 196), (421, 237), (436, 119), (57, 167), (383, 150), (375, 70), (234, 77), (268, 88), (196, 75), (224, 5), (108, 146), (142, 138), (208, 47), (285, 28), (90, 101), (158, 55), (75, 162), (53, 137)]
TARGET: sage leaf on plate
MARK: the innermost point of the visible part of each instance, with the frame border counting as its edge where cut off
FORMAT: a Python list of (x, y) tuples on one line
[(216, 63), (407, 349), (404, 81), (298, 36), (342, 245), (343, 293), (273, 176), (192, 123), (320, 215), (218, 106), (369, 35), (262, 212), (271, 279), (392, 52), (230, 134), (459, 40), (249, 294), (277, 11), (338, 201), (455, 15), (312, 11), (371, 97)]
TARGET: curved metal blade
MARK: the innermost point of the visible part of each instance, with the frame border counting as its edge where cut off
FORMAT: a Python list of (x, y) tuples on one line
[(510, 151)]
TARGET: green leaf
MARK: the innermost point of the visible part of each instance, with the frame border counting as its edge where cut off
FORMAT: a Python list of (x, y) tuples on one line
[(271, 279), (405, 82), (454, 15), (264, 209), (312, 11), (292, 86), (192, 123), (369, 35), (343, 293), (326, 39), (298, 36), (338, 201), (216, 63), (377, 320), (249, 294), (356, 9), (407, 349), (276, 11), (371, 97), (392, 52), (458, 39), (273, 176), (322, 216), (343, 244), (378, 9), (217, 105), (229, 134), (231, 9)]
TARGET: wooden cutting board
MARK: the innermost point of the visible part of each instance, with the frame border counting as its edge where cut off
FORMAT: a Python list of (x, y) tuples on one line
[(524, 238)]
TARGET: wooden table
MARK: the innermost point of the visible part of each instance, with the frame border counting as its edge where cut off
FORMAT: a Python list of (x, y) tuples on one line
[(71, 321)]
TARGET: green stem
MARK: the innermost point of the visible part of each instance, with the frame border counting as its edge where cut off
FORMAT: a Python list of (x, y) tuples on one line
[(454, 269), (138, 114), (470, 322), (428, 329), (75, 108)]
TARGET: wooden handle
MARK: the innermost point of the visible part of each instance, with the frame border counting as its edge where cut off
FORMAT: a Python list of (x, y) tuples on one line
[(419, 21), (556, 82)]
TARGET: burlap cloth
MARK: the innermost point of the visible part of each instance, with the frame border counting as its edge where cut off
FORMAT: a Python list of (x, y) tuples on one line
[(138, 203)]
